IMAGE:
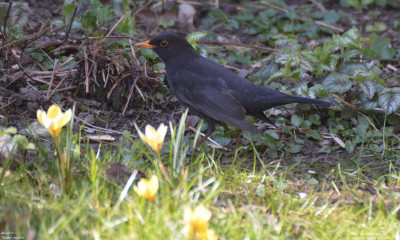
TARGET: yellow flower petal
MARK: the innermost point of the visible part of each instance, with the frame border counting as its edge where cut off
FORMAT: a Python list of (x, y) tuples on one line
[(147, 188), (161, 132), (153, 185), (39, 115), (200, 218), (54, 120), (154, 138), (197, 223), (53, 111), (151, 132), (141, 135), (66, 117)]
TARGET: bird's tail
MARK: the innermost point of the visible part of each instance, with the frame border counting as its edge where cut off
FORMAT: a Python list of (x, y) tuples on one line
[(319, 102), (286, 99)]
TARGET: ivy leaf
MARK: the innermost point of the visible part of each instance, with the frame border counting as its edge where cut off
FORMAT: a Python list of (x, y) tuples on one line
[(302, 90), (314, 118), (365, 80), (314, 134), (389, 100), (265, 72), (10, 130), (296, 120), (276, 75), (306, 65), (336, 82), (368, 104), (324, 57), (294, 148), (354, 69), (194, 37), (331, 17), (368, 87), (377, 27), (305, 125), (378, 79), (351, 53), (67, 10), (23, 141), (378, 47), (350, 146), (351, 38), (221, 137)]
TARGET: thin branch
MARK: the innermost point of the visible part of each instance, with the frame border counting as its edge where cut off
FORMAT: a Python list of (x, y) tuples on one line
[(86, 70), (100, 37), (143, 7), (52, 77), (239, 45), (130, 95), (59, 84), (355, 109), (304, 18), (62, 89), (379, 59), (116, 84), (114, 27), (29, 37), (19, 64), (5, 22), (136, 61), (70, 24)]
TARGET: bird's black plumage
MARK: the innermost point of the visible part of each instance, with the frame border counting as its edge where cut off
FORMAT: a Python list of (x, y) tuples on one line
[(213, 92)]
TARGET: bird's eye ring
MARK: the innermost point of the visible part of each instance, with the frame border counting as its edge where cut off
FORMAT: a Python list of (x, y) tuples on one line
[(163, 43)]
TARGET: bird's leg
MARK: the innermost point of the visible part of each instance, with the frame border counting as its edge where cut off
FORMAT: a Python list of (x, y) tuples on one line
[(210, 130), (238, 140)]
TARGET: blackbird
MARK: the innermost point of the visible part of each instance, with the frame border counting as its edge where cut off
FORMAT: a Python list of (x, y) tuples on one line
[(213, 92)]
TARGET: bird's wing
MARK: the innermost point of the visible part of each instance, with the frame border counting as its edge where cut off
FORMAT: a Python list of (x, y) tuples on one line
[(207, 93)]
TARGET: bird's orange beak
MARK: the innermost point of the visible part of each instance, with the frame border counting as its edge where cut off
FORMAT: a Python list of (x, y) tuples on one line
[(145, 44)]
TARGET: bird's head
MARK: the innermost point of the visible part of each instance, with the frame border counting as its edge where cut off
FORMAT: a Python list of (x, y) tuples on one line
[(168, 46)]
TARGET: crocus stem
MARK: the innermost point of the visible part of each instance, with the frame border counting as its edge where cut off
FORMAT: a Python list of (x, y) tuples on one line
[(61, 163), (162, 168)]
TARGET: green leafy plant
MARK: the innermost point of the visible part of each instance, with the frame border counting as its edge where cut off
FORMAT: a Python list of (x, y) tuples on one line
[(90, 15), (193, 38), (11, 143)]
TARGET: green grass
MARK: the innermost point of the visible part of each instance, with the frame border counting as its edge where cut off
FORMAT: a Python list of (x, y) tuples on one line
[(289, 182), (248, 200)]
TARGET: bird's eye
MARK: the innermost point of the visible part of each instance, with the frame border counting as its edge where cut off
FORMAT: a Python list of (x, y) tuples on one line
[(163, 43)]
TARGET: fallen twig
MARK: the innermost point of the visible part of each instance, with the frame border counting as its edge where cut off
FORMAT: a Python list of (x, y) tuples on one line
[(136, 61), (70, 24), (130, 95), (28, 37), (5, 22), (239, 45), (59, 84), (61, 89), (86, 70), (378, 59), (116, 84), (52, 78), (355, 109), (304, 18), (113, 28), (212, 141)]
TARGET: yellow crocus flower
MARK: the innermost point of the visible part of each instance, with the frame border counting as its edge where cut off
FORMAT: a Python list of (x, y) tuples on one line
[(54, 120), (197, 222), (154, 138), (147, 188)]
